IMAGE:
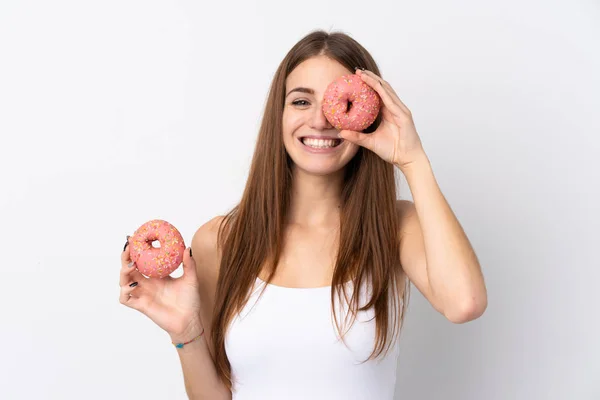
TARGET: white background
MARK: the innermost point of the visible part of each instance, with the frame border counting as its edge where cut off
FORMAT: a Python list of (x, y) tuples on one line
[(116, 112)]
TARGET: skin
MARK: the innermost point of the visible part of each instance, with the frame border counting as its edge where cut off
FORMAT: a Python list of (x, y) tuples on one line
[(435, 252), (317, 178)]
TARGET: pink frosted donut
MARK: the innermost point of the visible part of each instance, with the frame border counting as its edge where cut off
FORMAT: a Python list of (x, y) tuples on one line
[(365, 103), (156, 262)]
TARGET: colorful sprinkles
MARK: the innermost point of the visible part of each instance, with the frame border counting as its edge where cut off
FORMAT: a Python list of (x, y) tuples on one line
[(157, 262), (365, 103)]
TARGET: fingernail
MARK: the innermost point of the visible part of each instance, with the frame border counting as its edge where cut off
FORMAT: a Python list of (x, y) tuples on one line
[(126, 243), (130, 264), (190, 251), (133, 284)]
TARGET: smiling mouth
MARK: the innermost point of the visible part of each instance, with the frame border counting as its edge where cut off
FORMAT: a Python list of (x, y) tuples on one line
[(336, 143)]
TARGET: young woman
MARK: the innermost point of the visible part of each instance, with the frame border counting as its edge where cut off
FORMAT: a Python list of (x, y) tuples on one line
[(299, 292)]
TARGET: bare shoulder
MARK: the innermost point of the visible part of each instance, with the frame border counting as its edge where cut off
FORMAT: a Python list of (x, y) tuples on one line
[(206, 256), (205, 250)]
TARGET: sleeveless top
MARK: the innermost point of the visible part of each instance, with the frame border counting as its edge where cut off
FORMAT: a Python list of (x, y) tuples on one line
[(285, 346)]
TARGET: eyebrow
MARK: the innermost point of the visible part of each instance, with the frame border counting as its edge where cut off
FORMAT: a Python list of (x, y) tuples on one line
[(301, 90)]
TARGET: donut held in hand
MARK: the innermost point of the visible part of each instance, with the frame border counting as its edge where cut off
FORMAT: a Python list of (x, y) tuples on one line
[(364, 107), (156, 262)]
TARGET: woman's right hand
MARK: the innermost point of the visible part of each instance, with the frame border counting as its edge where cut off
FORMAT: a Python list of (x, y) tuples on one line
[(172, 303)]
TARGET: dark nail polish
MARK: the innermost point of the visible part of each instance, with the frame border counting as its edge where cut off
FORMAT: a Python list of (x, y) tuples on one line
[(126, 243), (190, 251), (133, 284)]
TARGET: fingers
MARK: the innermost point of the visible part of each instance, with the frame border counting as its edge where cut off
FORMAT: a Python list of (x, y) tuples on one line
[(385, 90), (129, 297), (383, 83), (125, 258), (128, 273), (377, 84), (189, 264), (130, 290), (359, 138), (130, 280)]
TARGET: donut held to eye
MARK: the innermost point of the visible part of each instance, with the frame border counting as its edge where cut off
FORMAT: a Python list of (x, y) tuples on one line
[(157, 262), (350, 104)]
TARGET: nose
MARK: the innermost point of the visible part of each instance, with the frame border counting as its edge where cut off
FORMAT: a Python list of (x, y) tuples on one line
[(319, 121)]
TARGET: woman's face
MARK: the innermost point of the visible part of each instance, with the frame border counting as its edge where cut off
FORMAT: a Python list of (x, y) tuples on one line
[(303, 115)]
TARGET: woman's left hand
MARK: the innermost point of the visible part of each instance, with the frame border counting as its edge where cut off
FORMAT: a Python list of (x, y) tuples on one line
[(395, 140)]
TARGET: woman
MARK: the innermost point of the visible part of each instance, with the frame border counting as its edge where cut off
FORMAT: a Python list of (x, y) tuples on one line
[(300, 290)]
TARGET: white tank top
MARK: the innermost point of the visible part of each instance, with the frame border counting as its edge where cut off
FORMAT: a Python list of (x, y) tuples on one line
[(286, 347)]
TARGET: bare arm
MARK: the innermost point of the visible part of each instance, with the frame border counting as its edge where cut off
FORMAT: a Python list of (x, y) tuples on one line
[(435, 251), (199, 372)]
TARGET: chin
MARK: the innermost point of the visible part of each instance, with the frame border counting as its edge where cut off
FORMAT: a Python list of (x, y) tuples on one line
[(318, 168)]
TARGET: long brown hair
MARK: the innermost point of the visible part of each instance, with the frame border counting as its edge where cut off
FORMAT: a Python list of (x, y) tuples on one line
[(369, 234)]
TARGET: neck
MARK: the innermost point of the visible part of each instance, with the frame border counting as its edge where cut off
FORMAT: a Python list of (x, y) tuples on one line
[(315, 199)]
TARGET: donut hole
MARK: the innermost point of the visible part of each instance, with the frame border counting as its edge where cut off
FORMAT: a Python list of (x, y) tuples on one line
[(156, 244)]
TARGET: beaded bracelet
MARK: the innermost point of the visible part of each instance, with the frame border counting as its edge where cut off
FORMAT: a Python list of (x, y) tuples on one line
[(180, 345)]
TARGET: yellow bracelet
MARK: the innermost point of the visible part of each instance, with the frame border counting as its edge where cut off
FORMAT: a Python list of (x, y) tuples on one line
[(180, 345)]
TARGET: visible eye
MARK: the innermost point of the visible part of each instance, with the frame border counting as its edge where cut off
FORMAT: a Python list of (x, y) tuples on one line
[(297, 103)]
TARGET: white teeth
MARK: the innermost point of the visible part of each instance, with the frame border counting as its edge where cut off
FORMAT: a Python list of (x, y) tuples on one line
[(318, 143)]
